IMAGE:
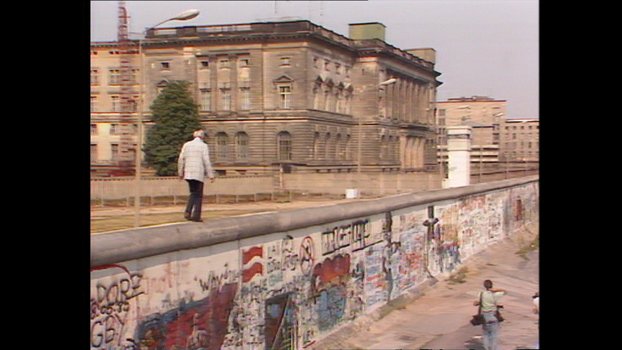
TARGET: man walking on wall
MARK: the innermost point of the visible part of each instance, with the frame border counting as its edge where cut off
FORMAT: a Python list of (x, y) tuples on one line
[(193, 165)]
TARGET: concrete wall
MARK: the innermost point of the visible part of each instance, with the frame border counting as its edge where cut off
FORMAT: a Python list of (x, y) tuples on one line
[(372, 184), (291, 277), (369, 184)]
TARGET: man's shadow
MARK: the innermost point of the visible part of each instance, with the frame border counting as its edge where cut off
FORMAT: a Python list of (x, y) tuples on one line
[(474, 344)]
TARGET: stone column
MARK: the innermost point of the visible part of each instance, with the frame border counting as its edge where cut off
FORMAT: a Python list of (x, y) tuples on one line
[(459, 156), (215, 92), (421, 153), (414, 158), (233, 82), (410, 152)]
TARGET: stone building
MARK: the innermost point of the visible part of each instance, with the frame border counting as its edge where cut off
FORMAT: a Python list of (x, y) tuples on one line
[(288, 95)]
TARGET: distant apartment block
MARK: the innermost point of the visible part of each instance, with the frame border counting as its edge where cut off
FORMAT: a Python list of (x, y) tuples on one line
[(520, 140), (483, 114)]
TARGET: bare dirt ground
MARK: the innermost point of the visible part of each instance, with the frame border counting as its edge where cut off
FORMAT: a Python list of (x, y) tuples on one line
[(107, 219)]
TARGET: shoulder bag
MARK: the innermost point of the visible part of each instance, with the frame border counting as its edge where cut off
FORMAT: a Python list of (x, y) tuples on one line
[(478, 319)]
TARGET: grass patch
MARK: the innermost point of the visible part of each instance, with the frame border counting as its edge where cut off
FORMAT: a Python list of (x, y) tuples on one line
[(398, 303), (459, 276), (529, 247)]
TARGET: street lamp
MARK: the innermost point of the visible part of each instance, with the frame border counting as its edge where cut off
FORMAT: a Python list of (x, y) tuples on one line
[(184, 16), (360, 137), (442, 138), (501, 150)]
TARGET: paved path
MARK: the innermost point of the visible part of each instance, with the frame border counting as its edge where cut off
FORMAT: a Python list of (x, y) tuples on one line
[(439, 319)]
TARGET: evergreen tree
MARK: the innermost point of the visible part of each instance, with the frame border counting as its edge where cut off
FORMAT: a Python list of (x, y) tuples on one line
[(175, 117)]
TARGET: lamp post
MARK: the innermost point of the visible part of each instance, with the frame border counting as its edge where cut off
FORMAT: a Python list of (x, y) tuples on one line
[(184, 16), (360, 136)]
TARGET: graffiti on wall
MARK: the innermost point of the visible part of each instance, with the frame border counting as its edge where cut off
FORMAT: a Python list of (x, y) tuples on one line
[(354, 236), (523, 204), (111, 308)]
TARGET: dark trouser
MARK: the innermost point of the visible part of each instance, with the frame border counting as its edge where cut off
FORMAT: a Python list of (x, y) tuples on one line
[(193, 208)]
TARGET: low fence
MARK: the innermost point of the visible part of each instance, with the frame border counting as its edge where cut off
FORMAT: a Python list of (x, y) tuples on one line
[(105, 191), (285, 280), (123, 188)]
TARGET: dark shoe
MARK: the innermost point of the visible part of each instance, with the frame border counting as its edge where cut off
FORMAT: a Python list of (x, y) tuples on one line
[(196, 220), (187, 216)]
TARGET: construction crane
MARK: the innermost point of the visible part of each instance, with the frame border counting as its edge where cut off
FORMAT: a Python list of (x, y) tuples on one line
[(127, 150)]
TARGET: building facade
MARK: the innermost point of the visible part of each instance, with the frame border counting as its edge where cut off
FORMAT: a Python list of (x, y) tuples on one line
[(520, 140), (107, 115), (483, 114), (291, 95)]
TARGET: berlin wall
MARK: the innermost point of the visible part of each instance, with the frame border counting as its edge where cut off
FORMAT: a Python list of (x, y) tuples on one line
[(288, 279)]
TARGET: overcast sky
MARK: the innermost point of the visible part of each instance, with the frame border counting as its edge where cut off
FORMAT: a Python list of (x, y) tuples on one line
[(483, 47)]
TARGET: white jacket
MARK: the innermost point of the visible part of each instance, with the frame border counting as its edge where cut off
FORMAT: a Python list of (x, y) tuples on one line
[(193, 162)]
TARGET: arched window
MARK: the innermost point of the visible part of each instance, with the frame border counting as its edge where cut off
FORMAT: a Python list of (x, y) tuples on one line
[(338, 148), (327, 100), (316, 95), (327, 153), (241, 146), (284, 142), (337, 102), (348, 148), (160, 86), (221, 146)]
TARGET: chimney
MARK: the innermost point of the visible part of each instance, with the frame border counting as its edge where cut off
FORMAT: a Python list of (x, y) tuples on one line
[(366, 31), (427, 54)]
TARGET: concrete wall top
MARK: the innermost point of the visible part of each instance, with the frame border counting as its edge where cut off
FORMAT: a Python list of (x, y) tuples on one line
[(126, 245)]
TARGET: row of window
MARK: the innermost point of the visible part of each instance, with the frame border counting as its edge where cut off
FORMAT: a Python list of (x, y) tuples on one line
[(514, 136), (324, 147), (115, 129), (522, 144), (284, 61), (116, 104), (522, 127), (114, 76), (326, 65), (225, 63), (221, 146), (329, 100), (332, 99), (115, 153), (515, 154), (441, 121)]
